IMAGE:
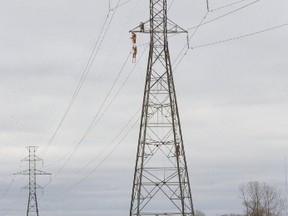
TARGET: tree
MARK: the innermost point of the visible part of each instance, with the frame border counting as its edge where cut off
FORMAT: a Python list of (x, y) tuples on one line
[(260, 199), (199, 213)]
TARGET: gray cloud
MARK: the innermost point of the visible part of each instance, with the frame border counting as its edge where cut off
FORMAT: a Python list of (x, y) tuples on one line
[(232, 99)]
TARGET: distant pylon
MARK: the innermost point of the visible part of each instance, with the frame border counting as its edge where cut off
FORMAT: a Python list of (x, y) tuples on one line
[(32, 208), (161, 182)]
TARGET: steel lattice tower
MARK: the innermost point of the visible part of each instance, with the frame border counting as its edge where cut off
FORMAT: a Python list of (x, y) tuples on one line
[(161, 183), (32, 208)]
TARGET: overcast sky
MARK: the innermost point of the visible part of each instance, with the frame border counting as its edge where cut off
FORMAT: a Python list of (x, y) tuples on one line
[(232, 97)]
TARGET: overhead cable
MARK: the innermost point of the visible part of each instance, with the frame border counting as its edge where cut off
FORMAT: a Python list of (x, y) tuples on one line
[(226, 14), (114, 97), (228, 5), (95, 120), (90, 127), (172, 2), (239, 37), (185, 49), (120, 5), (5, 191), (119, 90), (102, 161), (110, 143), (71, 152), (92, 124), (87, 68)]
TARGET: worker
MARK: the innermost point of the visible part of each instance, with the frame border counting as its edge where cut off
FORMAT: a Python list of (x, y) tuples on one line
[(134, 54), (141, 26), (133, 37), (177, 150)]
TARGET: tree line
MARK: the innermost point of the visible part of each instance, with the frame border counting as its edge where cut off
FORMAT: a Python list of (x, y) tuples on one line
[(258, 199)]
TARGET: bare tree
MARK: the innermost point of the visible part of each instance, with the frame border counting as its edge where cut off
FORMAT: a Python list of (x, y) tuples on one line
[(260, 199), (199, 213)]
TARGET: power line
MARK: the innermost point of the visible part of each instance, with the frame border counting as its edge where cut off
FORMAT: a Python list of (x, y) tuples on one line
[(117, 43), (89, 163), (226, 14), (79, 85), (110, 143), (227, 5), (104, 159), (5, 191), (239, 37), (119, 90), (71, 152), (172, 2), (94, 122), (176, 66), (90, 127), (108, 155), (225, 41), (196, 28), (81, 81), (84, 75), (120, 5), (222, 41), (185, 49), (114, 97)]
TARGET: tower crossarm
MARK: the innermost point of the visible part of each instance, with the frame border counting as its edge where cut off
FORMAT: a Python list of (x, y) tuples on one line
[(36, 187), (24, 172), (172, 28), (40, 172), (36, 172), (36, 158)]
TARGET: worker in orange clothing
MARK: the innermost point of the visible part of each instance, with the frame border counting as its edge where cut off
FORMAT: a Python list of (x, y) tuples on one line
[(141, 26), (134, 54), (133, 37)]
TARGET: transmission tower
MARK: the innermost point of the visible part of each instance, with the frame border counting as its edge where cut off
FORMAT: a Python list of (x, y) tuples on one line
[(161, 183), (32, 208)]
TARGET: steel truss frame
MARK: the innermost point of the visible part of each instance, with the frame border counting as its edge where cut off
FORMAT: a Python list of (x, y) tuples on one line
[(161, 182), (32, 172)]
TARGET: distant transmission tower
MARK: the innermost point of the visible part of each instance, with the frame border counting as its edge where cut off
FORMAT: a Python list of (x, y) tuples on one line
[(32, 208), (161, 183)]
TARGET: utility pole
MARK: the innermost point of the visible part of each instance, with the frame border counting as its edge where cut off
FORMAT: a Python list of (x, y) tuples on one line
[(32, 208), (161, 182)]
